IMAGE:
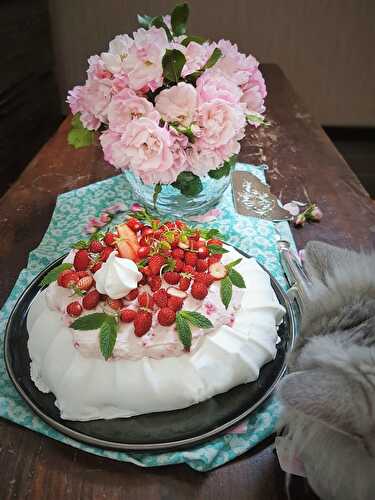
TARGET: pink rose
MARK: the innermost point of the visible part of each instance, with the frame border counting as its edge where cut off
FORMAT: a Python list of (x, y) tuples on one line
[(254, 92), (214, 84), (125, 106), (196, 56), (202, 160), (92, 101), (114, 59), (143, 63), (97, 69), (76, 102), (234, 64), (177, 104), (113, 149)]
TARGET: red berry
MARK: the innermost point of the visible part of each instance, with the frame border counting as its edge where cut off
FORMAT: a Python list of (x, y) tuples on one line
[(81, 260), (91, 299), (180, 224), (202, 252), (109, 239), (166, 316), (155, 263), (147, 231), (154, 282), (145, 300), (208, 279), (105, 253), (95, 246), (69, 279), (96, 267), (178, 253), (175, 303), (171, 277), (215, 242), (146, 271), (134, 224), (145, 241), (191, 258), (218, 270), (61, 276), (85, 283), (142, 323), (179, 265), (115, 304), (132, 295), (201, 265), (82, 274), (196, 235), (143, 252), (199, 277), (184, 283), (127, 315), (157, 234), (188, 269), (214, 258), (143, 281), (74, 309), (194, 245), (161, 298), (199, 290)]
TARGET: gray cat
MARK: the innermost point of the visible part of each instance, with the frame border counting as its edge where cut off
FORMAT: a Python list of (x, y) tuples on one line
[(329, 395)]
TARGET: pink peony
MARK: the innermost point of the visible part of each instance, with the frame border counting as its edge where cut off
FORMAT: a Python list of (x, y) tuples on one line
[(214, 84), (114, 59), (143, 63), (125, 106), (234, 64), (177, 104), (254, 92), (196, 56)]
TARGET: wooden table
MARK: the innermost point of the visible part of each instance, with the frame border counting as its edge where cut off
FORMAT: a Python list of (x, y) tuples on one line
[(301, 159)]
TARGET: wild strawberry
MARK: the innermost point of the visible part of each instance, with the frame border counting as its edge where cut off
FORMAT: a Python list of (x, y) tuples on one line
[(69, 279), (81, 260), (127, 315), (105, 253), (82, 274), (155, 263), (161, 298), (145, 241), (95, 246), (158, 233), (201, 265), (196, 235), (180, 224), (184, 283), (134, 224), (175, 292), (85, 283), (142, 323), (91, 299), (218, 270), (115, 304), (188, 269), (132, 295), (147, 231), (199, 277), (96, 267), (143, 252), (199, 290), (214, 258), (166, 316), (208, 279), (190, 258), (109, 239), (146, 271), (143, 281), (145, 300), (175, 242), (178, 253), (215, 242), (194, 244), (74, 309), (183, 245), (61, 276), (171, 277), (175, 303), (154, 282), (202, 252), (178, 265)]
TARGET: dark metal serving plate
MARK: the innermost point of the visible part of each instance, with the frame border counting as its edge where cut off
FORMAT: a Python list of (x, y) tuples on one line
[(153, 431)]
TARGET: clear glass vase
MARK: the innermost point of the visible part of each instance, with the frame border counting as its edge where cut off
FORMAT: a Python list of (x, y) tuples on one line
[(172, 202)]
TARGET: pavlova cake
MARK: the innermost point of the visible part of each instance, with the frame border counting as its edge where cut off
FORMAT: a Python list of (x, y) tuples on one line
[(151, 316)]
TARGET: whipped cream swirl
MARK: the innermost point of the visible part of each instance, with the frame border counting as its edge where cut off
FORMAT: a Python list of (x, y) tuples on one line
[(117, 277)]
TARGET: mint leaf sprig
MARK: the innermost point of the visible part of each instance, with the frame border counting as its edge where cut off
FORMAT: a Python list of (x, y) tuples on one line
[(54, 273), (183, 321), (233, 278)]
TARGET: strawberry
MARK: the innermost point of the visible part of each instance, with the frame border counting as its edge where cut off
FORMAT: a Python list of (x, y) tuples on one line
[(142, 323), (95, 246), (218, 270), (171, 277), (175, 292), (61, 276), (160, 298), (215, 242), (74, 309), (208, 279), (188, 269), (202, 252), (143, 252), (132, 295), (194, 245), (146, 271), (154, 282), (214, 258), (155, 263), (134, 224), (127, 315), (175, 303), (91, 299), (85, 283), (143, 281), (201, 265), (178, 265), (180, 224), (145, 300), (109, 239), (178, 253), (199, 290), (69, 279), (200, 277), (147, 231), (196, 235), (82, 274), (105, 253), (166, 316), (96, 267), (184, 246), (184, 283), (81, 260), (190, 258), (115, 304)]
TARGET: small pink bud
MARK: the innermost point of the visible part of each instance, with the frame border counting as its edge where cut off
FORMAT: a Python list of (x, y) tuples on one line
[(136, 207), (300, 220), (104, 217), (316, 214), (89, 229)]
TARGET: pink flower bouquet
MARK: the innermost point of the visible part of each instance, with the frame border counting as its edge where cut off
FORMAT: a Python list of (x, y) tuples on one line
[(170, 107)]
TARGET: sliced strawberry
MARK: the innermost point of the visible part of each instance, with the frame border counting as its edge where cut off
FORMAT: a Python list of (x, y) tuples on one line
[(126, 250), (175, 292), (85, 283), (218, 270), (127, 234), (115, 304)]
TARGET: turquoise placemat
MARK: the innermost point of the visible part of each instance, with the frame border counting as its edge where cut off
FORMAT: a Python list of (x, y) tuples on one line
[(73, 209)]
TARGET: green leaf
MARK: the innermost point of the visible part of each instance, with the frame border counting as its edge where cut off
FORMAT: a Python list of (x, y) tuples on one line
[(157, 191), (236, 278), (193, 38), (142, 263), (158, 22), (233, 263), (173, 61), (184, 332), (226, 291), (79, 136), (179, 19), (213, 59), (197, 319), (209, 234), (188, 183), (217, 249), (54, 273), (107, 336), (89, 322), (255, 118), (98, 235), (80, 245), (145, 21), (220, 172)]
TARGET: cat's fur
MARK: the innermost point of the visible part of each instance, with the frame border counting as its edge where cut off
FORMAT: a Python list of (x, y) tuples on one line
[(329, 395)]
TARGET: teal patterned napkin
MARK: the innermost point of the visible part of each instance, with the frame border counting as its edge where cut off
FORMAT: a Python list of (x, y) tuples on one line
[(73, 209)]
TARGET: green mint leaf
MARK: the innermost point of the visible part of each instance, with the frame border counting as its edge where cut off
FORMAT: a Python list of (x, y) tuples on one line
[(236, 278), (158, 22), (107, 336), (226, 291), (145, 21), (79, 136), (233, 263), (54, 273), (193, 38), (80, 245), (188, 183), (223, 171), (184, 332), (98, 235), (213, 59), (89, 322), (197, 319), (209, 234), (179, 19), (157, 191), (142, 263), (173, 61), (217, 249)]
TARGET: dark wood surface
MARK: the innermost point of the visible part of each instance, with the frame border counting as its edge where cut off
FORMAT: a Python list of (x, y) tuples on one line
[(301, 159)]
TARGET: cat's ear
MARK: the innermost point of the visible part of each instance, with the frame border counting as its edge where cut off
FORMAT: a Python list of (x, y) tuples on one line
[(321, 259), (324, 395)]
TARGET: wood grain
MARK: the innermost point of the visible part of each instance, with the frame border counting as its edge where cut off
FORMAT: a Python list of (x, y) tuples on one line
[(300, 156)]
